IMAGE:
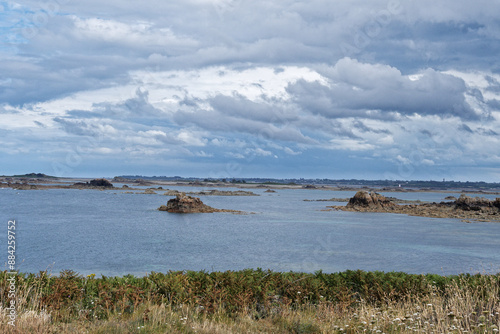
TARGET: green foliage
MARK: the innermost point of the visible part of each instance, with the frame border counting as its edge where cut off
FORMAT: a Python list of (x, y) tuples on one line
[(263, 292)]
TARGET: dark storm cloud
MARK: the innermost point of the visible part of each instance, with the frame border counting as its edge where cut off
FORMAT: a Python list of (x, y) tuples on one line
[(79, 128), (212, 120), (241, 107), (357, 89), (135, 108)]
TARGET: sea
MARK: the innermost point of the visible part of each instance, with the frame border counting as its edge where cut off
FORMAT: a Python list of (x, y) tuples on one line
[(113, 233)]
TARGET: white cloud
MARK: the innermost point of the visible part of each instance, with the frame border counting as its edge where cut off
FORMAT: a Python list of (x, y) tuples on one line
[(291, 152), (191, 139), (261, 152), (350, 145), (403, 160)]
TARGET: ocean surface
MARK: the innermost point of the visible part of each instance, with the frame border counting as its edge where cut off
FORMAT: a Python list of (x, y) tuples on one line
[(112, 233)]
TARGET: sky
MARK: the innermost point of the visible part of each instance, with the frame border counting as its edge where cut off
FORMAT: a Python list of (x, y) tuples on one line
[(378, 89)]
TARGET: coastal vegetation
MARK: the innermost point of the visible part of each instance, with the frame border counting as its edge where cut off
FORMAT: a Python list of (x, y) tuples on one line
[(253, 301)]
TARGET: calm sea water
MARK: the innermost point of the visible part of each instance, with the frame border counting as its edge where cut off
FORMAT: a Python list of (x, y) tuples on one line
[(112, 233)]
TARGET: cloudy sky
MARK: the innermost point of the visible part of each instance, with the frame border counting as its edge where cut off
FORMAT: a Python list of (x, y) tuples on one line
[(374, 89)]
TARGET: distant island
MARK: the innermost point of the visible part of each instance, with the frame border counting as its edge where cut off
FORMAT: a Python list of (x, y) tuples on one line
[(33, 176)]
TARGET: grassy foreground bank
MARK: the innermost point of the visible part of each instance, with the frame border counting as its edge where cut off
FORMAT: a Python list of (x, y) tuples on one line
[(253, 301)]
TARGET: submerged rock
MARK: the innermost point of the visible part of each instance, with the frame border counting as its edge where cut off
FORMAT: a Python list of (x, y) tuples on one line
[(216, 192)]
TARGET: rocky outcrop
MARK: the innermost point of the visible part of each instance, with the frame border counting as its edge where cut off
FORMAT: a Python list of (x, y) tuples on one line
[(467, 203), (96, 183), (101, 183), (23, 186), (496, 203), (172, 193), (270, 191), (465, 207), (372, 200), (187, 204)]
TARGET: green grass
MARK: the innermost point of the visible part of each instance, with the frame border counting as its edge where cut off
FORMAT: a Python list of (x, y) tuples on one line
[(253, 301)]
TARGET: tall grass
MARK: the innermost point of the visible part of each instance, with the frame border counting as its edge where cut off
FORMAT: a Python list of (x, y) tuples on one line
[(253, 301)]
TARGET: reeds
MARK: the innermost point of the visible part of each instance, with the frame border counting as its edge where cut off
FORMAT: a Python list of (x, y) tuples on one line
[(254, 301)]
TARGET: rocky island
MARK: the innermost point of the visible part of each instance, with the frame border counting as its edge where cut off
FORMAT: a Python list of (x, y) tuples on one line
[(465, 207), (94, 184), (187, 204)]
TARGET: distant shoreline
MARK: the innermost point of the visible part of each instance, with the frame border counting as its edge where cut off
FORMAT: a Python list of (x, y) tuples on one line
[(37, 183)]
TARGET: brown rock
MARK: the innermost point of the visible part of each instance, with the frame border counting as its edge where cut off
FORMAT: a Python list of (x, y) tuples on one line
[(187, 204), (363, 199), (101, 183), (24, 186), (496, 203), (467, 203), (96, 183), (173, 193), (465, 208)]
